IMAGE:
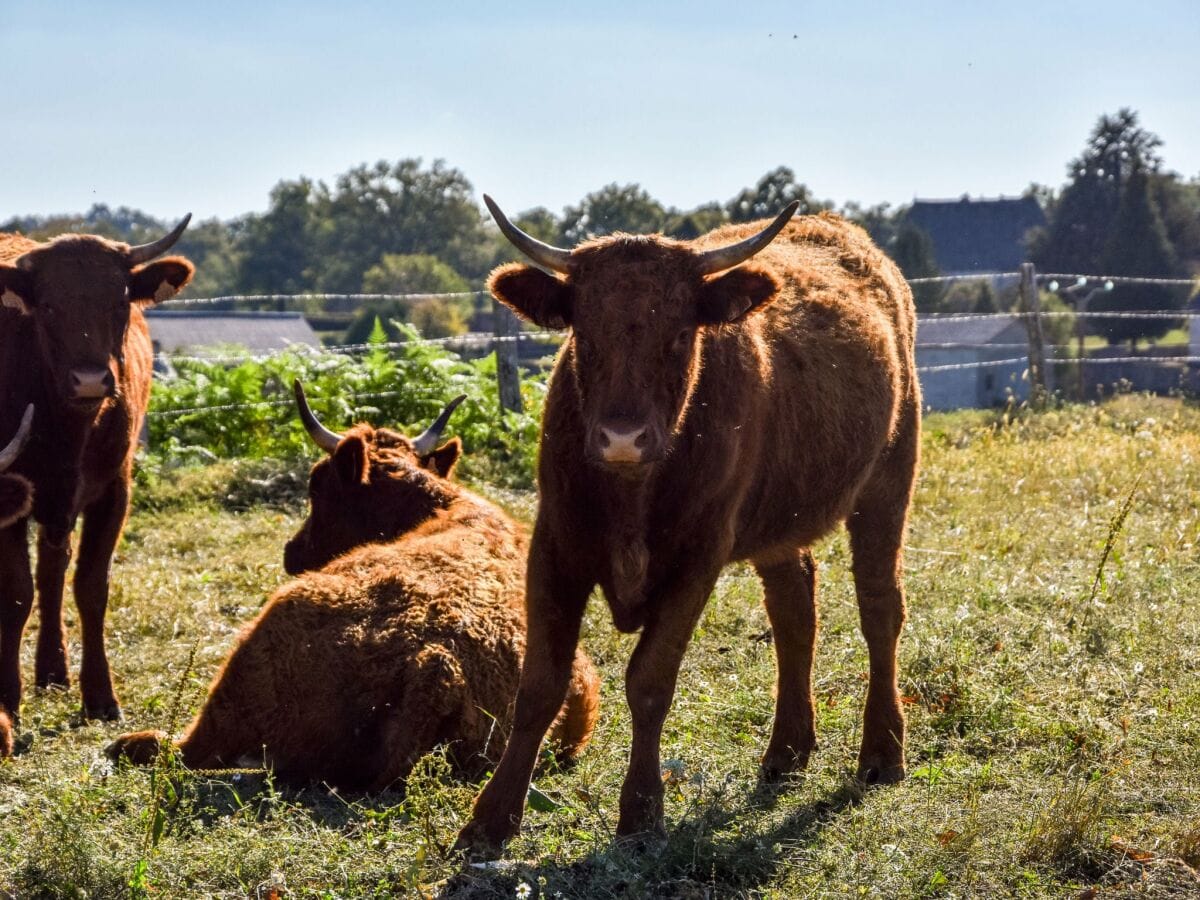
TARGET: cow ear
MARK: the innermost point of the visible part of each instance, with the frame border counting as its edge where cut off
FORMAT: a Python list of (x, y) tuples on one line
[(16, 499), (16, 289), (736, 294), (350, 461), (443, 460), (160, 280), (533, 295)]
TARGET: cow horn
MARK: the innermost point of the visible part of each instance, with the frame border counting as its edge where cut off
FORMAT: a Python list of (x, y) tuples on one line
[(427, 442), (9, 454), (324, 438), (553, 258), (146, 252), (713, 261)]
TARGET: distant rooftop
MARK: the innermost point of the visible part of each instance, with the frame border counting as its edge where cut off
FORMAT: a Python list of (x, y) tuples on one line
[(176, 330), (984, 235), (969, 330)]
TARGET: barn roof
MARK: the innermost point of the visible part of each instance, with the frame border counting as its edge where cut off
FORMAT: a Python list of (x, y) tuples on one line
[(978, 235), (175, 330), (969, 330)]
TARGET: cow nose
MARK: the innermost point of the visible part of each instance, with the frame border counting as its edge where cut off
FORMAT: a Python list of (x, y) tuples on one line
[(91, 383), (626, 444)]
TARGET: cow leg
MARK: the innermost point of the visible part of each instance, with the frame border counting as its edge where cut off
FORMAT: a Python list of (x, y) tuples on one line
[(555, 597), (790, 595), (16, 602), (649, 689), (103, 522), (877, 529), (53, 557)]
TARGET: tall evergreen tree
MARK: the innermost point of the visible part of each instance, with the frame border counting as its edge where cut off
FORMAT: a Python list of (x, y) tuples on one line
[(1081, 221), (1137, 246)]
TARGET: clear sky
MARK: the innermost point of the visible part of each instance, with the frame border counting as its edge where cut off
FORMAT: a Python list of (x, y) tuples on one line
[(204, 106)]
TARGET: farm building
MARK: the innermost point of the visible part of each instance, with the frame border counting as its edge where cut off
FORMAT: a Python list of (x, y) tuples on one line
[(978, 235), (1001, 341), (188, 331)]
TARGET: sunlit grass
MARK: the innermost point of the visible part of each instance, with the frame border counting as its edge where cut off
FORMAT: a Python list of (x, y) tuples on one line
[(1054, 729)]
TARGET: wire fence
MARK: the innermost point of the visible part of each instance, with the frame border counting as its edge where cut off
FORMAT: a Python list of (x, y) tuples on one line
[(483, 341)]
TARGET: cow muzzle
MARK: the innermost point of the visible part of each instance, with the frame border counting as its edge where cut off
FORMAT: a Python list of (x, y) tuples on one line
[(625, 444), (91, 385)]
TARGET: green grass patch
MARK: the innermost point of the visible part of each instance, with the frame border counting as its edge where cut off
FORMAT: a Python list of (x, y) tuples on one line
[(1050, 665)]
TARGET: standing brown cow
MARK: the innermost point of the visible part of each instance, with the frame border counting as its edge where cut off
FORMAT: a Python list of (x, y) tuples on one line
[(73, 341), (698, 414)]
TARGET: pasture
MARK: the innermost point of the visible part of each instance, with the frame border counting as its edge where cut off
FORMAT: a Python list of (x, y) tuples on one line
[(1050, 667)]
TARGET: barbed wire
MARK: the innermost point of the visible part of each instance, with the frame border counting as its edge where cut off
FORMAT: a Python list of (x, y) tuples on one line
[(469, 339), (288, 401), (974, 364), (316, 295), (447, 295)]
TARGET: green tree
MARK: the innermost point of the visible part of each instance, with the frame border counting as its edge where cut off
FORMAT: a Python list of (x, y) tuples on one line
[(628, 208), (278, 246), (413, 273), (1137, 246), (774, 191), (689, 225), (912, 251), (396, 208), (1081, 221), (881, 222), (212, 246)]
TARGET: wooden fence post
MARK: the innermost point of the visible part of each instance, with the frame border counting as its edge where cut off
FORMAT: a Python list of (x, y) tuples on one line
[(1031, 305), (507, 330)]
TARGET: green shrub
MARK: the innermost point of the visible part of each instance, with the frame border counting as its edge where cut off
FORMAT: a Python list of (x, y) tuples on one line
[(247, 410)]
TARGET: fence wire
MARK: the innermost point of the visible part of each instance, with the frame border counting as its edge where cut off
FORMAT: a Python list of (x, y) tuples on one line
[(487, 340)]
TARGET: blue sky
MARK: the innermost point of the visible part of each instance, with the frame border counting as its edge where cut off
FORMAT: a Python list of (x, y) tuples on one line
[(204, 107)]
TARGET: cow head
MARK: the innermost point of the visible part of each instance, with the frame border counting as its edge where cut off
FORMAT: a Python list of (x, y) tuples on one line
[(374, 485), (77, 289), (16, 494), (637, 308)]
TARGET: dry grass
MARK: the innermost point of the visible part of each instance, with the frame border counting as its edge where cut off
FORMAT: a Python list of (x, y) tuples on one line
[(1054, 705)]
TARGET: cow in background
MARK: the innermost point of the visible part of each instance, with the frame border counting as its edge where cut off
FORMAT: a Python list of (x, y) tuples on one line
[(734, 397), (73, 342)]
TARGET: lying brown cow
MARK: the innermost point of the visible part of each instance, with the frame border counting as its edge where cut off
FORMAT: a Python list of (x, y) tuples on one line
[(74, 343), (704, 411), (360, 666)]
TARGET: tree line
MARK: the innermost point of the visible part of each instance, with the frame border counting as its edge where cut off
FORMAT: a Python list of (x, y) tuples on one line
[(407, 227)]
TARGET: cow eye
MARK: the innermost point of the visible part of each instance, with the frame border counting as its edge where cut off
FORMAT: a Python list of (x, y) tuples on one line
[(681, 341)]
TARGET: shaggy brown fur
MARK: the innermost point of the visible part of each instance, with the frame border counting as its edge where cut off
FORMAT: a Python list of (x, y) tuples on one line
[(69, 317), (351, 673), (772, 402)]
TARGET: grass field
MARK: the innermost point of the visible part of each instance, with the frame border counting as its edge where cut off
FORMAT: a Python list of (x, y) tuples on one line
[(1051, 666)]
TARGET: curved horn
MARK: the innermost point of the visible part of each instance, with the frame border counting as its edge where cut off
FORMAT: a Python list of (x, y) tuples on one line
[(427, 442), (713, 261), (9, 454), (324, 438), (146, 252), (553, 258)]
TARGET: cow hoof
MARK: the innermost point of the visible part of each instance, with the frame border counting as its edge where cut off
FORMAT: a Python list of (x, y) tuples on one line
[(141, 747), (55, 678), (478, 844), (777, 765), (643, 841), (880, 774), (104, 712)]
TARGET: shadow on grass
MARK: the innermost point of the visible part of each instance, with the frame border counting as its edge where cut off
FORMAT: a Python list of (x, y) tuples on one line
[(714, 851)]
